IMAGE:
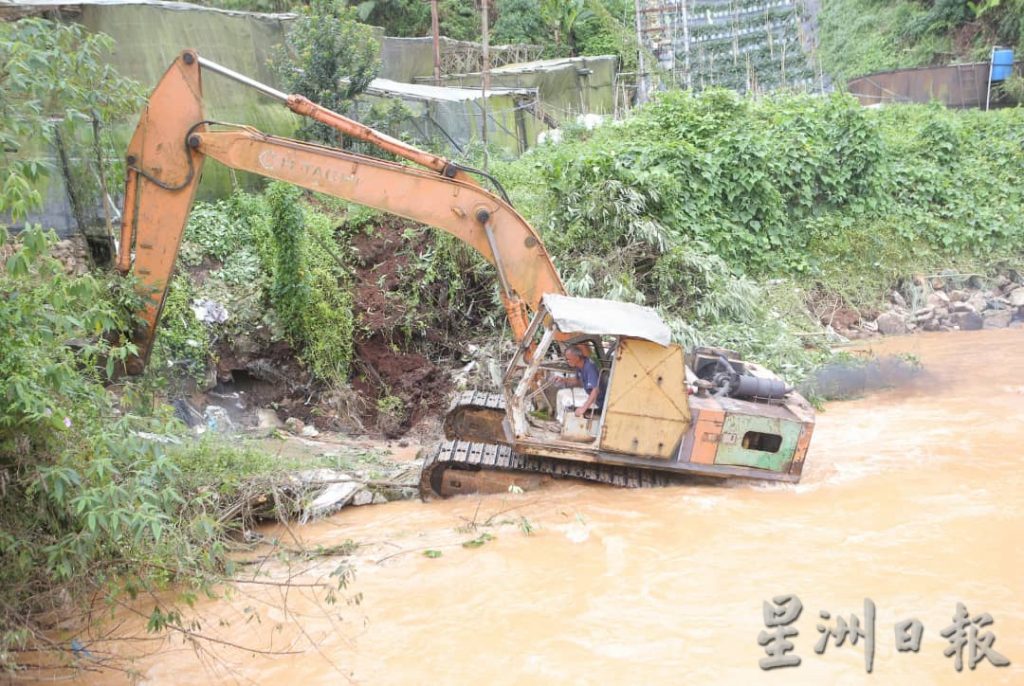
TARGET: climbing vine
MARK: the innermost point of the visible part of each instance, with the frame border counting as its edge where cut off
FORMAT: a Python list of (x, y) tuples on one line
[(309, 290)]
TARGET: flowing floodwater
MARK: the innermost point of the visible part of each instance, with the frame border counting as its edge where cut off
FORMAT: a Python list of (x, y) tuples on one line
[(911, 497)]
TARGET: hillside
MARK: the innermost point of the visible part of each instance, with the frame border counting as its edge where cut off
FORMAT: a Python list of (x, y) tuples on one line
[(862, 36)]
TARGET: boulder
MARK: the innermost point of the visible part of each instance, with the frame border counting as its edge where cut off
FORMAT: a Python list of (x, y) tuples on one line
[(295, 425), (963, 307), (978, 301), (1016, 297), (268, 419), (958, 296), (891, 324), (968, 320), (999, 304), (363, 497), (309, 431), (997, 319), (938, 284), (937, 299), (924, 314), (898, 299)]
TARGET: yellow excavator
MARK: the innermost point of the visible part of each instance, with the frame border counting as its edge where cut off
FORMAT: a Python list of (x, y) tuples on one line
[(662, 413)]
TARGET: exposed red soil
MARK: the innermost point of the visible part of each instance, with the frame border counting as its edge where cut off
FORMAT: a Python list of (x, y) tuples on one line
[(384, 259), (842, 318), (421, 385)]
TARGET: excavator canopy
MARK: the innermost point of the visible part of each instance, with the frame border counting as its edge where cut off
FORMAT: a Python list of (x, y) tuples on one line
[(599, 317)]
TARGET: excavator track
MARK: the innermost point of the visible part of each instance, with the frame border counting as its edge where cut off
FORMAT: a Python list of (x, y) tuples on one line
[(456, 467), (476, 416)]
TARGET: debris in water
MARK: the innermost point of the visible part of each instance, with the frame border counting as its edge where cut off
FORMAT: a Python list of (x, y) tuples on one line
[(217, 419)]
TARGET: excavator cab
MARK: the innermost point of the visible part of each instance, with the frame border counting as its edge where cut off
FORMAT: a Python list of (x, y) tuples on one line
[(729, 418), (644, 409)]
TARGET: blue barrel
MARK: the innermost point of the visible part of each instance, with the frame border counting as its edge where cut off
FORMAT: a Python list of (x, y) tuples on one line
[(1002, 64)]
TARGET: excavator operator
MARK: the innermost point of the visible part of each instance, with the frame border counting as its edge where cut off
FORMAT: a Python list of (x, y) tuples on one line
[(588, 377)]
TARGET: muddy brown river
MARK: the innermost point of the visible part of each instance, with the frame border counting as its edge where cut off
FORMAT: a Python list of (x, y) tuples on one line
[(911, 498)]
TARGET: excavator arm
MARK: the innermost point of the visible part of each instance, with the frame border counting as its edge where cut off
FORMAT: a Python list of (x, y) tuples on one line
[(173, 139)]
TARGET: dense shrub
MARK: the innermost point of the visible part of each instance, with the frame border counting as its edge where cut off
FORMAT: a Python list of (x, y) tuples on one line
[(93, 506), (698, 203), (309, 291)]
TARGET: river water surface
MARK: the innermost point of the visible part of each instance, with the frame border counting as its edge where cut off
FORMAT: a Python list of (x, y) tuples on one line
[(911, 497)]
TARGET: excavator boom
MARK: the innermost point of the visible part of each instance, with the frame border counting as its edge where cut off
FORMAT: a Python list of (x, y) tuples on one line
[(173, 139)]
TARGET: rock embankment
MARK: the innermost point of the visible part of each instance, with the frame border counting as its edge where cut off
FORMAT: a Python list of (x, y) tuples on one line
[(947, 303)]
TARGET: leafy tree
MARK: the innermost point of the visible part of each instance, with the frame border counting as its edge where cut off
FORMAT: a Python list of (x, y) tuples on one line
[(329, 57), (459, 19), (396, 17), (520, 21), (608, 30), (56, 90)]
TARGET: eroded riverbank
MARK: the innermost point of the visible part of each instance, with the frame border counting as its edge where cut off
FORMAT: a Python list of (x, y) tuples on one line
[(910, 497)]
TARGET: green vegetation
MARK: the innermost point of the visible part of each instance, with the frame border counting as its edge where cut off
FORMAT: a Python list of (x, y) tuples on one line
[(713, 208), (309, 292), (103, 499), (183, 346), (252, 5), (862, 36), (269, 260), (457, 19), (608, 30), (229, 243)]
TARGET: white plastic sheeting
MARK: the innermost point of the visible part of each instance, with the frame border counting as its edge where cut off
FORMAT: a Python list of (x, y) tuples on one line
[(606, 318)]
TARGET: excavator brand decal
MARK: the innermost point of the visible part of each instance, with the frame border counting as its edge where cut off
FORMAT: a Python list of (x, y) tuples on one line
[(271, 160), (267, 159)]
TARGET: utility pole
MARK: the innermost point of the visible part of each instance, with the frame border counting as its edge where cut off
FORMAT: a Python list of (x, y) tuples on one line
[(486, 75), (686, 44), (641, 76), (435, 29)]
